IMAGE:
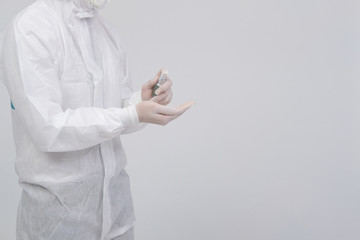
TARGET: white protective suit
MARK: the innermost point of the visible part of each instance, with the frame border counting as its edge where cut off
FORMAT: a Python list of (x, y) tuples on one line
[(68, 79)]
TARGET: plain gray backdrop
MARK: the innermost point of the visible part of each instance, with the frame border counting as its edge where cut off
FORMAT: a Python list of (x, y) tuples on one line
[(271, 149)]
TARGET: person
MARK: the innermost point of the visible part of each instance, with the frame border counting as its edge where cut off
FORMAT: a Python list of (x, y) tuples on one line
[(68, 79)]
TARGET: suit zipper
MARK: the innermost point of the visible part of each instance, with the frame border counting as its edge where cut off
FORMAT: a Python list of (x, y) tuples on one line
[(92, 89)]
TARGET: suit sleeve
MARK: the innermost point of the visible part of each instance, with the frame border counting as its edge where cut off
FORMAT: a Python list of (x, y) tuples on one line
[(30, 70), (131, 98)]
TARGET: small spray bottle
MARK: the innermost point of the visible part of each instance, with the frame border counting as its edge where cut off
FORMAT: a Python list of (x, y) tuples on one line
[(162, 80)]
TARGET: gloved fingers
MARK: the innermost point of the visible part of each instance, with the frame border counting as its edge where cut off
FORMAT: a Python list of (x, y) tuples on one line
[(151, 83), (180, 110), (165, 87), (168, 99), (165, 110), (157, 99), (183, 108), (161, 98), (170, 111), (168, 114)]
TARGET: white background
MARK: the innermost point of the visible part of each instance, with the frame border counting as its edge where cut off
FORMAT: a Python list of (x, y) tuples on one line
[(271, 149)]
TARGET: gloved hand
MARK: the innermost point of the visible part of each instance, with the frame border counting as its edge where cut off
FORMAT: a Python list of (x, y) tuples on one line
[(164, 93), (152, 112)]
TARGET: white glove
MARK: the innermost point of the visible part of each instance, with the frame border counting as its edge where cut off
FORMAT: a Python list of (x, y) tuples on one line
[(152, 112), (164, 93)]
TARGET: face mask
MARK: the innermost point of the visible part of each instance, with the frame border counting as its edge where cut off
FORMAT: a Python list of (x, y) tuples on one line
[(90, 4), (97, 3)]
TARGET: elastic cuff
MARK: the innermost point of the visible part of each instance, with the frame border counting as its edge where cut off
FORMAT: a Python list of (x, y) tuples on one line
[(134, 118), (129, 117)]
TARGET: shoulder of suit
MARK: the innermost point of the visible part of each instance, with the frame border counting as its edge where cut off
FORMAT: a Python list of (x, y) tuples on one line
[(38, 17)]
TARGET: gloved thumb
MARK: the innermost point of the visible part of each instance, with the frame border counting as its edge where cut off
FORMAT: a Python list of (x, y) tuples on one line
[(151, 83)]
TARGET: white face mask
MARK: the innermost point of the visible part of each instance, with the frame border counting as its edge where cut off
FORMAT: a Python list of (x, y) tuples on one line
[(90, 4), (97, 3)]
